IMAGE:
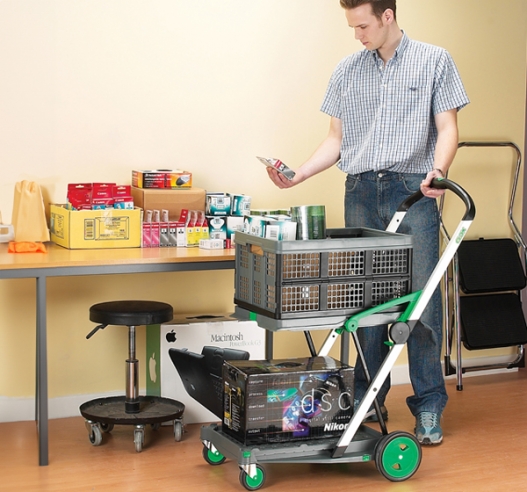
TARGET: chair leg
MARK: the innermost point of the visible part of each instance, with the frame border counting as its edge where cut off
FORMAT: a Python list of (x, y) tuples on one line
[(132, 375)]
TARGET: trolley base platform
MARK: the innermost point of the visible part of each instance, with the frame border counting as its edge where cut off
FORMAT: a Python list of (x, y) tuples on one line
[(396, 455), (361, 449)]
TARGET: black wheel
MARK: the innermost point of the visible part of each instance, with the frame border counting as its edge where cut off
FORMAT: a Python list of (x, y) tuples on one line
[(253, 483), (213, 457), (106, 427), (398, 456)]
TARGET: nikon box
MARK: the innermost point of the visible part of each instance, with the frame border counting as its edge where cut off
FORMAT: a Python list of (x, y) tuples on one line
[(286, 400), (95, 229)]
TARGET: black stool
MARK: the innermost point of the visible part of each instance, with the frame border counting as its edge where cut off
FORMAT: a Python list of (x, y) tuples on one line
[(102, 413)]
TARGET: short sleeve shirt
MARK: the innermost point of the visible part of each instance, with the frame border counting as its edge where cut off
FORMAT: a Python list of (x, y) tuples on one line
[(387, 111)]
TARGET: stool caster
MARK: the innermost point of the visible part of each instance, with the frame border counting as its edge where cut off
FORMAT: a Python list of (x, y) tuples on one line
[(94, 432), (178, 430), (107, 428), (139, 437)]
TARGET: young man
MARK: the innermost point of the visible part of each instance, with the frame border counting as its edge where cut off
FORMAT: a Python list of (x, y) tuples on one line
[(393, 128)]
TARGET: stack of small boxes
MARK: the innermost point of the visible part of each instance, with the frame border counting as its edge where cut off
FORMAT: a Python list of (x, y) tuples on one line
[(226, 214)]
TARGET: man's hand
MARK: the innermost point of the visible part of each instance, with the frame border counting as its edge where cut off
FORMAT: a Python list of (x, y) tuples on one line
[(425, 185), (281, 181)]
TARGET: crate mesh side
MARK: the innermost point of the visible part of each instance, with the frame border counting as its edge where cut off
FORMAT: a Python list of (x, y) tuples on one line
[(300, 298), (345, 295), (387, 261), (270, 299), (243, 266), (257, 292), (244, 288), (300, 265), (387, 290), (243, 255), (345, 263), (270, 264)]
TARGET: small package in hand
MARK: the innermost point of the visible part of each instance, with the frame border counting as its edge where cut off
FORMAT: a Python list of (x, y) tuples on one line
[(279, 166)]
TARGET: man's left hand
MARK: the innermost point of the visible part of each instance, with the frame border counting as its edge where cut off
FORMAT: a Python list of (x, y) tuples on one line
[(425, 185)]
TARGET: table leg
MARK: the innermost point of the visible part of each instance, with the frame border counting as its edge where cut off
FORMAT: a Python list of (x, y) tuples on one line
[(41, 390), (268, 344)]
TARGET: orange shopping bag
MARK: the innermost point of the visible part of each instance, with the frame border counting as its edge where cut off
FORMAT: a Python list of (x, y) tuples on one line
[(29, 218)]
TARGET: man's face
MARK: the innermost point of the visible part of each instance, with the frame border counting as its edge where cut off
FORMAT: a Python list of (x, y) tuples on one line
[(369, 30)]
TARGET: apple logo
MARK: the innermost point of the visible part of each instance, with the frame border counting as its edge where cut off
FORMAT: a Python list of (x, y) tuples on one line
[(152, 368), (171, 337)]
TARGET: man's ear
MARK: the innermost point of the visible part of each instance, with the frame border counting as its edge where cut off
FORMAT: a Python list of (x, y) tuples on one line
[(388, 16)]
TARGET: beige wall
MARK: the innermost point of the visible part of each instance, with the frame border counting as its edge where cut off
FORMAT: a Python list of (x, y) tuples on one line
[(92, 89)]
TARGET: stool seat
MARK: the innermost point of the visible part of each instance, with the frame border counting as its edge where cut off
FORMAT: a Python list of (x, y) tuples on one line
[(131, 313)]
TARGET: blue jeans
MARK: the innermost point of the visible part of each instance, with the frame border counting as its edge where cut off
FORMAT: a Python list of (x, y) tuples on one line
[(371, 200)]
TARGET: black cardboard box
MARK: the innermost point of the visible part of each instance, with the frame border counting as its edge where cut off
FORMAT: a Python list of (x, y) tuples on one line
[(285, 400)]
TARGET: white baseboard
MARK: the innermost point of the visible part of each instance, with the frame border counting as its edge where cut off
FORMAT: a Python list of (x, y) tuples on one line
[(18, 409)]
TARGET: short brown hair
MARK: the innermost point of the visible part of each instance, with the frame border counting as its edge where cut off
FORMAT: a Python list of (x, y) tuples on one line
[(378, 7)]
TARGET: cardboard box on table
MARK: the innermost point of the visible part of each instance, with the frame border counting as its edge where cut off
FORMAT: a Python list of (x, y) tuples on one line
[(172, 200), (193, 332), (94, 229)]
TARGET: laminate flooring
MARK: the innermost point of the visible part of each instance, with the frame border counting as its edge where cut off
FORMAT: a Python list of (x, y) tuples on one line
[(484, 449)]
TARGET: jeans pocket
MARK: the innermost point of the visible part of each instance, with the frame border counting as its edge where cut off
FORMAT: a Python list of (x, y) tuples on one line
[(412, 182), (352, 180)]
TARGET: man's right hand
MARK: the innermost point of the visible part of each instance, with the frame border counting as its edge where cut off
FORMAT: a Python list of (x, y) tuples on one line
[(280, 180)]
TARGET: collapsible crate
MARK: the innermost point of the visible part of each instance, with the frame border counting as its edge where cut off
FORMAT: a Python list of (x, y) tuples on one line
[(352, 269)]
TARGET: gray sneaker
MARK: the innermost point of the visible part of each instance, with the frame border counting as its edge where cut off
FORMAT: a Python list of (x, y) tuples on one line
[(371, 415), (427, 428)]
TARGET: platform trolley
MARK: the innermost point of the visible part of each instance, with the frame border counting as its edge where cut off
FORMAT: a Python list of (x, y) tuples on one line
[(397, 455)]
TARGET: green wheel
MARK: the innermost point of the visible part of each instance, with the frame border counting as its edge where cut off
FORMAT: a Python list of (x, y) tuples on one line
[(398, 456), (253, 483), (213, 457)]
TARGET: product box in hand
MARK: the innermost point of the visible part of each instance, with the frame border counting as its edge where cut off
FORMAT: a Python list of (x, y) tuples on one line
[(162, 178), (286, 400), (95, 229), (193, 332)]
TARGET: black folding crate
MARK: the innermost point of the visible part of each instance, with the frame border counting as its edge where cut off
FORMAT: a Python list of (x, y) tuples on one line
[(352, 269)]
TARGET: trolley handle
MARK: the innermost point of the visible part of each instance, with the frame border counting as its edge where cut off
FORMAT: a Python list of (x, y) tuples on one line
[(446, 184)]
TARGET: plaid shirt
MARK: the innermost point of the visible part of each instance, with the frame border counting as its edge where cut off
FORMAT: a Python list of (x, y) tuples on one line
[(387, 112)]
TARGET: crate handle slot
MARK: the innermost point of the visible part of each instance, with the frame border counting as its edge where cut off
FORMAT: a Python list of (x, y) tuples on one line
[(257, 250)]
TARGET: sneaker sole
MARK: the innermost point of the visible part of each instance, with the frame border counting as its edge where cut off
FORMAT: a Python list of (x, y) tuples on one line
[(428, 442)]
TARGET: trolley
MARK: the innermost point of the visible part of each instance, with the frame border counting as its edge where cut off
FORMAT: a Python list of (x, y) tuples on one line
[(397, 455)]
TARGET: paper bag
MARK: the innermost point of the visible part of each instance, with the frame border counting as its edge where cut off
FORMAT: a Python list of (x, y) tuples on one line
[(29, 218)]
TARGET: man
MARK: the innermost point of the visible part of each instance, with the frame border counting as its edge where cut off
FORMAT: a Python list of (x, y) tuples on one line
[(393, 128)]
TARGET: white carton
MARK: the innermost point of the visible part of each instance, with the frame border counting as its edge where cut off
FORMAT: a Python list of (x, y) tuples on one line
[(193, 332)]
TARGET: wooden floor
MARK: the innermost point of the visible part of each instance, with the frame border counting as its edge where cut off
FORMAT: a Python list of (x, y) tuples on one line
[(484, 449)]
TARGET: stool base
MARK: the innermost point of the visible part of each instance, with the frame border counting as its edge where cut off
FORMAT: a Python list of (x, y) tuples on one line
[(102, 413)]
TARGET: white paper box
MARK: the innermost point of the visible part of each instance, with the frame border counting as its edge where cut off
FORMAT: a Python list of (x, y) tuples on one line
[(193, 332)]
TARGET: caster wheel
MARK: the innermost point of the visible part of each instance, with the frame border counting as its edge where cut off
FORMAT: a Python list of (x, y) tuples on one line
[(139, 438), (95, 435), (106, 427), (253, 483), (398, 456), (213, 458), (156, 426), (178, 430)]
